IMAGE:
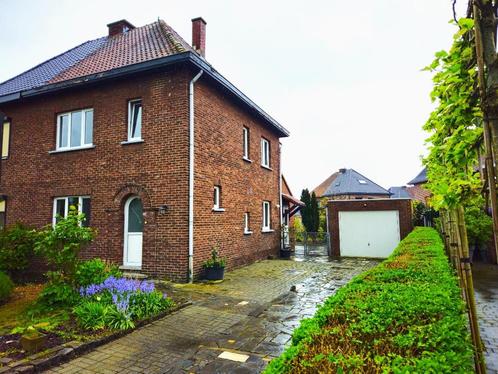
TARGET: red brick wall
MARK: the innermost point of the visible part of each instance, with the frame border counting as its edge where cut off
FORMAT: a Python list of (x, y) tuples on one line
[(218, 161), (334, 207), (156, 170)]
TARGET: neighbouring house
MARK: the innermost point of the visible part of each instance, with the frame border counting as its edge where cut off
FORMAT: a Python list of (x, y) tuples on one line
[(164, 155), (416, 187), (348, 184), (290, 207), (400, 192)]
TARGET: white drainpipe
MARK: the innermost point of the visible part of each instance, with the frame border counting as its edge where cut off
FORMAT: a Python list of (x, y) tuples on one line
[(280, 192), (191, 180)]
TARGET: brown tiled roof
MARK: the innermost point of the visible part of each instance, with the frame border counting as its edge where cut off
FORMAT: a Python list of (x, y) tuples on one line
[(137, 45), (419, 193), (322, 187)]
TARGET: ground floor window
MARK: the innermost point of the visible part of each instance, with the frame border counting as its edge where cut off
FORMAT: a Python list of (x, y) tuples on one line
[(266, 216), (2, 212), (62, 204), (247, 229)]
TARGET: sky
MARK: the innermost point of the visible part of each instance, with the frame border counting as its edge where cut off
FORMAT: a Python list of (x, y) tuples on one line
[(344, 77)]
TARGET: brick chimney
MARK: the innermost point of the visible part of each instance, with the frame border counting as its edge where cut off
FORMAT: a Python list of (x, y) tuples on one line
[(119, 27), (199, 35)]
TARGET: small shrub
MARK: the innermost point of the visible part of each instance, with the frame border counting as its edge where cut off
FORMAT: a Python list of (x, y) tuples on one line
[(95, 271), (16, 247), (479, 225), (215, 261), (61, 244), (6, 287), (92, 315), (57, 294)]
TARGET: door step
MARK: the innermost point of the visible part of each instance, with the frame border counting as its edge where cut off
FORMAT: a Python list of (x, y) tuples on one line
[(134, 275)]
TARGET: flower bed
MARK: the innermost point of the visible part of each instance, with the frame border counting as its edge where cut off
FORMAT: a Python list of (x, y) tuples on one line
[(405, 315)]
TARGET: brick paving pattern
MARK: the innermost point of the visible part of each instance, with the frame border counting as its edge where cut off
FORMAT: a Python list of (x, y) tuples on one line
[(253, 312), (486, 287)]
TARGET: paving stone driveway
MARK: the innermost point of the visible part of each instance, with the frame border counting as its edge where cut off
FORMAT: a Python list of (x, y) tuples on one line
[(486, 288), (252, 313)]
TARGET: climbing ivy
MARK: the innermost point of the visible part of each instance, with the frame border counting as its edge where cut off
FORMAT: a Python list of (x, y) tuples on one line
[(455, 125)]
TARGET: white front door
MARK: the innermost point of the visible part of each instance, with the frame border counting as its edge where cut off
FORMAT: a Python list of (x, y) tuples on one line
[(368, 233), (133, 232)]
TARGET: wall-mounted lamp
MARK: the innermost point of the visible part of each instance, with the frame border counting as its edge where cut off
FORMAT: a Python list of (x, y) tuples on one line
[(162, 210)]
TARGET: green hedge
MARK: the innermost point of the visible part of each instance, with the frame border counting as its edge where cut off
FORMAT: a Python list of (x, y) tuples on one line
[(6, 287), (404, 315)]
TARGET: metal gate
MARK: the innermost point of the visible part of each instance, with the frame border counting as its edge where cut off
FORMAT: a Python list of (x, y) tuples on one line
[(312, 244)]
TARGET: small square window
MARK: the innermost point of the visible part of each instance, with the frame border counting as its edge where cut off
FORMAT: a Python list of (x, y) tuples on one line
[(3, 204), (135, 120)]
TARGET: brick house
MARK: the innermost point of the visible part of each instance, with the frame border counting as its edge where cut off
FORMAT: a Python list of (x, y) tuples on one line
[(416, 187), (165, 156)]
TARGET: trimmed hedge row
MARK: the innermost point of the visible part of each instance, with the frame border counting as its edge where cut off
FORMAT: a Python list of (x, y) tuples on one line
[(404, 315)]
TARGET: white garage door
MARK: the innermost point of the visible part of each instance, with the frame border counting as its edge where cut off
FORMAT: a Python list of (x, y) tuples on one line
[(369, 233)]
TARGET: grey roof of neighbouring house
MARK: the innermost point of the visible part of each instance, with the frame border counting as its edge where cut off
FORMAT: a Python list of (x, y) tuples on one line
[(399, 193), (420, 178), (349, 182)]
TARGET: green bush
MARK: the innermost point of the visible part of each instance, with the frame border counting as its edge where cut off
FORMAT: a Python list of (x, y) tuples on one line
[(16, 247), (405, 315), (61, 244), (95, 271), (92, 315), (479, 225), (6, 287)]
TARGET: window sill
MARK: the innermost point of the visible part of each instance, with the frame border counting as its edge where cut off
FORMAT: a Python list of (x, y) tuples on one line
[(266, 167), (247, 232), (218, 210), (246, 159), (132, 141), (267, 230), (128, 267), (72, 149)]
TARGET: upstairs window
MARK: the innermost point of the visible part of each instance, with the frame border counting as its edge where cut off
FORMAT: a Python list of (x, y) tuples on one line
[(75, 129), (245, 143), (265, 153), (134, 120), (217, 199), (5, 139), (62, 204), (266, 216)]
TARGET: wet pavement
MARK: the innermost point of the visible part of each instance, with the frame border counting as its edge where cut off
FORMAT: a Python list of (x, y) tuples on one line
[(486, 290), (236, 326)]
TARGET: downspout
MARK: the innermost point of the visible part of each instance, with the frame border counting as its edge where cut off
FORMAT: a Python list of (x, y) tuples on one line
[(280, 193), (191, 179)]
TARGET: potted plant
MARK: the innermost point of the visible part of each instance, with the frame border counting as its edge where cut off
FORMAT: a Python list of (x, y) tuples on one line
[(33, 340), (214, 268)]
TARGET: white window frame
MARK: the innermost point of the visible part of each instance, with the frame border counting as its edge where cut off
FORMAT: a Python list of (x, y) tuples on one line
[(83, 130), (6, 139), (217, 199), (266, 221), (247, 222), (265, 153), (245, 143), (131, 103), (66, 206)]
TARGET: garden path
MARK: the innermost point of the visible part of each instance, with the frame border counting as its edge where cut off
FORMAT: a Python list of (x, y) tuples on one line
[(249, 318)]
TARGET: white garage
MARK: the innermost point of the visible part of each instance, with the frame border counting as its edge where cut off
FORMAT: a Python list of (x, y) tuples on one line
[(368, 233)]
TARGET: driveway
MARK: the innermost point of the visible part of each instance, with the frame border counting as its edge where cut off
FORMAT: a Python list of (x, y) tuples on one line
[(486, 290), (235, 326)]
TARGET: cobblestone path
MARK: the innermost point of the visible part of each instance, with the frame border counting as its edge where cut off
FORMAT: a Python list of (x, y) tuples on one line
[(486, 287), (249, 317)]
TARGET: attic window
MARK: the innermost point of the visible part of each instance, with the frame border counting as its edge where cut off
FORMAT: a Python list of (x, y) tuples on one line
[(361, 181)]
